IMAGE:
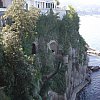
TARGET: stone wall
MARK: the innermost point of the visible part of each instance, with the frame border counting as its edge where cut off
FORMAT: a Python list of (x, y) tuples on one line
[(76, 73)]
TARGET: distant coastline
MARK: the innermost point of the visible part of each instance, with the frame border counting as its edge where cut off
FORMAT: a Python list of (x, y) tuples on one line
[(91, 13)]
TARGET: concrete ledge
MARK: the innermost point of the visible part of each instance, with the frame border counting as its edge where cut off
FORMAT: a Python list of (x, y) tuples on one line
[(77, 89)]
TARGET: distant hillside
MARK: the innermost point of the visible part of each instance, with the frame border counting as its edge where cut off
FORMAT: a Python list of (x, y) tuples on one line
[(88, 9)]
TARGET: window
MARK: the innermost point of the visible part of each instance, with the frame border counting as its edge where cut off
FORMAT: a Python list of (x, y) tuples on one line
[(48, 5), (53, 5), (38, 5), (1, 3), (43, 4), (26, 6), (33, 48)]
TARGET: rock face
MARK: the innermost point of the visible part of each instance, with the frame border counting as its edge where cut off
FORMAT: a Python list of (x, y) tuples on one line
[(55, 96), (76, 73), (95, 68)]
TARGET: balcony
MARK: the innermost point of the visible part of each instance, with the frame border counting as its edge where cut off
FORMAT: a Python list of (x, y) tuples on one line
[(2, 9)]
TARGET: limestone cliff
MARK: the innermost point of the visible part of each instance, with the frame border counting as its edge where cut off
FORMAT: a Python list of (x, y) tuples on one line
[(61, 55), (76, 73)]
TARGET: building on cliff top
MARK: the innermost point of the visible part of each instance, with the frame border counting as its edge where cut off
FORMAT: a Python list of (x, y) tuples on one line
[(43, 5)]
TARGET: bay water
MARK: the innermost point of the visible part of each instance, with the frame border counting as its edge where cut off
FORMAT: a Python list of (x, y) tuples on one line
[(90, 30)]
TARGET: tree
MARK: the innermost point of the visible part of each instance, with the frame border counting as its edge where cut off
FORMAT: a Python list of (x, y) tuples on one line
[(71, 28), (30, 77), (2, 68), (21, 76), (23, 21), (50, 65), (46, 29), (65, 32)]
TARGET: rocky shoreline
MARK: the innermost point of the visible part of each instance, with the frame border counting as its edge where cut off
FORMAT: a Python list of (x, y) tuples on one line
[(78, 89), (94, 68), (90, 69)]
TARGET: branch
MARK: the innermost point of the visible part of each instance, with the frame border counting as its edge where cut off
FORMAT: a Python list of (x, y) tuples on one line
[(54, 73), (46, 80)]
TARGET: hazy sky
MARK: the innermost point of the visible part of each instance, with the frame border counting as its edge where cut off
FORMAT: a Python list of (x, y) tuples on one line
[(78, 2)]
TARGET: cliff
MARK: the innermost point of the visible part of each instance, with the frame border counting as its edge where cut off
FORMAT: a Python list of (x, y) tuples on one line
[(61, 55), (76, 76), (44, 57)]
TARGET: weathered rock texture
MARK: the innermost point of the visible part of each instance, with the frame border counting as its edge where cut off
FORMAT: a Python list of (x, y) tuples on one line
[(75, 74), (59, 41)]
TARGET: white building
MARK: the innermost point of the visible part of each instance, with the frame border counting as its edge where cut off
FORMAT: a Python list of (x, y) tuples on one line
[(3, 5), (43, 5), (46, 5)]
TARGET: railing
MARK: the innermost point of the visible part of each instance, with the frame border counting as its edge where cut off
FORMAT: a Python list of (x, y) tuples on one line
[(53, 8), (3, 9)]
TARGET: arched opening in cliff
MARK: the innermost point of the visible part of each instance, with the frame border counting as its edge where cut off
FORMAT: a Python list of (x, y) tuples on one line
[(33, 48)]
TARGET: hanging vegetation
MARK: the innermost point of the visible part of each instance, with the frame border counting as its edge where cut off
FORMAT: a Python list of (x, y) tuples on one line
[(32, 48)]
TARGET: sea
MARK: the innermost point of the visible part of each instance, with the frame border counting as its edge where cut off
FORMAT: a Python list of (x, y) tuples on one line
[(90, 31)]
